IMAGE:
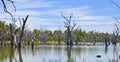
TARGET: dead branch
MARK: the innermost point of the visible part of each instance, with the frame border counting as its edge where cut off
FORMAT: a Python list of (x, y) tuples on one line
[(116, 4), (116, 20), (6, 10)]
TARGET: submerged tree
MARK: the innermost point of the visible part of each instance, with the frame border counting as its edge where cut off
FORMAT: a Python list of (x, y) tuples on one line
[(69, 26), (115, 33), (43, 37), (58, 36), (116, 28), (13, 29), (76, 35), (95, 38), (12, 25), (22, 30)]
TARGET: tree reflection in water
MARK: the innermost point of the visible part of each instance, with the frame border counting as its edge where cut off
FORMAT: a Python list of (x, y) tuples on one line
[(69, 48), (106, 48), (115, 54), (13, 56), (12, 51), (32, 49), (20, 56)]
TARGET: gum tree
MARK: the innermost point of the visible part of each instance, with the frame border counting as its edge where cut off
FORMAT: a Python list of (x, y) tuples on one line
[(13, 27), (69, 25)]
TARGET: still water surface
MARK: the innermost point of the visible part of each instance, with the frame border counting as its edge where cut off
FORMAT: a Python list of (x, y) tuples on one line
[(62, 53)]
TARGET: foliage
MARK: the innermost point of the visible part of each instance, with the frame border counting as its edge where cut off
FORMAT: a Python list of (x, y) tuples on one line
[(50, 36)]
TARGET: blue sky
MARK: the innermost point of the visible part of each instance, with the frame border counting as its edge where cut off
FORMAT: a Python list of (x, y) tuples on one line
[(88, 14)]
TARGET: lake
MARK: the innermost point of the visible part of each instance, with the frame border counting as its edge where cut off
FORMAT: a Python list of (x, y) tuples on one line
[(60, 53)]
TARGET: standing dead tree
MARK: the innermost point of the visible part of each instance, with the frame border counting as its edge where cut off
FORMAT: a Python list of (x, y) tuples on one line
[(22, 31), (12, 25), (116, 28), (70, 27), (6, 10), (57, 36), (76, 35), (43, 37), (95, 38), (13, 29), (115, 33)]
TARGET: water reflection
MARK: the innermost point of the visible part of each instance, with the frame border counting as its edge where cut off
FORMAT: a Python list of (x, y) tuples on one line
[(12, 50), (20, 56), (115, 54), (32, 49), (60, 53), (106, 48), (69, 53)]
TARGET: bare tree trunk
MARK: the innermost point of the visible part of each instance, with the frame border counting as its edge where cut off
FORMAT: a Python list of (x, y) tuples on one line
[(11, 35), (20, 55), (58, 39), (77, 39), (13, 19), (115, 33), (22, 32), (69, 28)]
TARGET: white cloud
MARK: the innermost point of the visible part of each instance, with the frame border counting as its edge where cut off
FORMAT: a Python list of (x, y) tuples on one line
[(94, 23), (27, 12), (76, 10), (93, 18), (33, 4), (37, 17)]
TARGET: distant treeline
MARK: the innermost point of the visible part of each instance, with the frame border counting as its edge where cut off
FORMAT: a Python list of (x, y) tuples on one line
[(43, 36)]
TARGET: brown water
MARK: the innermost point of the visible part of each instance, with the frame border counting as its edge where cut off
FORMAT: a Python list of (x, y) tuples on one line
[(53, 53)]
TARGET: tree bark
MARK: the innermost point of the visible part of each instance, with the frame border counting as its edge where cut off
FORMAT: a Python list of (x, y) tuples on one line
[(22, 32)]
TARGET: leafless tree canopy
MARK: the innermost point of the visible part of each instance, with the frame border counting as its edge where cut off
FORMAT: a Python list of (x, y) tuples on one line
[(114, 2), (6, 9), (68, 21), (69, 27)]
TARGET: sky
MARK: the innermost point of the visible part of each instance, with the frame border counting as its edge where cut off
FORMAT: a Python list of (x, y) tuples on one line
[(89, 15)]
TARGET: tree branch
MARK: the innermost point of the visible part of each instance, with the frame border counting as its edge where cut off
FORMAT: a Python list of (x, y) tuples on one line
[(5, 8), (116, 20), (116, 4)]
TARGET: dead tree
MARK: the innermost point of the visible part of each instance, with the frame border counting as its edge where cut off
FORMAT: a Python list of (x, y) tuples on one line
[(69, 26), (12, 25), (115, 34), (76, 35), (43, 37), (116, 28), (29, 36), (6, 10), (22, 31), (57, 36), (77, 39), (95, 38)]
